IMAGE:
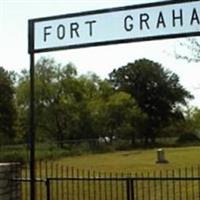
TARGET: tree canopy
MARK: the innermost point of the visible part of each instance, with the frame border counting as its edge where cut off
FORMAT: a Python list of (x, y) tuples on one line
[(69, 106), (139, 102), (7, 107), (157, 91), (189, 50)]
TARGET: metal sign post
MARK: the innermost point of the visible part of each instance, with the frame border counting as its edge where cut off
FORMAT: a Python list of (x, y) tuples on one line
[(160, 20), (32, 111), (32, 127)]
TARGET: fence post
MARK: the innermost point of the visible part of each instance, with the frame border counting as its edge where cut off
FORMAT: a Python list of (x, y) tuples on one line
[(48, 188), (132, 189), (129, 189)]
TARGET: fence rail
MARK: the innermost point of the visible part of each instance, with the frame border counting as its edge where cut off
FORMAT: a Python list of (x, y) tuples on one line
[(58, 182)]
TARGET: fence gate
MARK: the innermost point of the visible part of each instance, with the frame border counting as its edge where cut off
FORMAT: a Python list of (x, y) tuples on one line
[(90, 189)]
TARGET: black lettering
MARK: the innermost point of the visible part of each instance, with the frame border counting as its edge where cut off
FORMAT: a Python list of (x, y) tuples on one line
[(46, 33), (144, 20), (90, 26), (161, 21), (74, 29), (194, 17), (60, 31), (128, 26), (178, 17)]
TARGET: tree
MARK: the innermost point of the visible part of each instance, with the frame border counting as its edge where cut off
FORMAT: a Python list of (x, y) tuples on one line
[(123, 116), (189, 50), (196, 121), (156, 90), (193, 120), (96, 105), (7, 107), (61, 101), (116, 115), (55, 94)]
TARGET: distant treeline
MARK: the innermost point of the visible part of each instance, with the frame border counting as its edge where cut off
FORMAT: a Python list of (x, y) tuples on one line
[(139, 102)]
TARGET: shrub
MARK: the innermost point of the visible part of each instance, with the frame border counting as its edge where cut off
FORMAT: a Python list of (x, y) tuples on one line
[(188, 138)]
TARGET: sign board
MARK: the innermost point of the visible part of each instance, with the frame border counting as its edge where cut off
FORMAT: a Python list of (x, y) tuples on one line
[(117, 25)]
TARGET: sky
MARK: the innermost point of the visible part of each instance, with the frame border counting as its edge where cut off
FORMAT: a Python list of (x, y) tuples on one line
[(14, 15)]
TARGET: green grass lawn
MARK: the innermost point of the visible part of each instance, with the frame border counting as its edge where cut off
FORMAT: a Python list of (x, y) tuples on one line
[(136, 160), (126, 162)]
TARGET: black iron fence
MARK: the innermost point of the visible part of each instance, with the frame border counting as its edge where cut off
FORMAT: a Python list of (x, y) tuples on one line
[(58, 182), (10, 189), (132, 188)]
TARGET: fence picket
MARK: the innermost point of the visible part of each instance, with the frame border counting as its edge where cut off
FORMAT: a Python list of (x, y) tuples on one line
[(198, 174), (186, 184)]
